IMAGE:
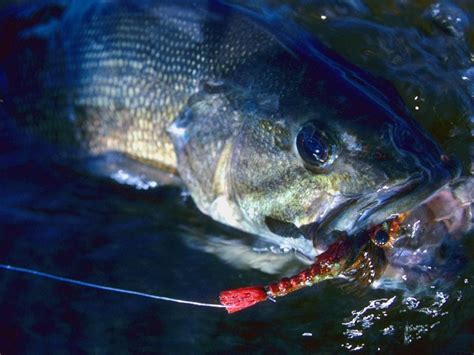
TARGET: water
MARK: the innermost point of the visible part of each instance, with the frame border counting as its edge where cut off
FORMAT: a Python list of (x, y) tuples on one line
[(58, 219)]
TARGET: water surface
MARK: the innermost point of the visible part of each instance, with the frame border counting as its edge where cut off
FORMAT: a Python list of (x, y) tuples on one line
[(56, 218)]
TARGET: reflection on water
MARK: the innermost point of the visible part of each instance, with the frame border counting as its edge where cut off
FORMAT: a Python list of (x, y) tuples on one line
[(378, 312), (61, 220)]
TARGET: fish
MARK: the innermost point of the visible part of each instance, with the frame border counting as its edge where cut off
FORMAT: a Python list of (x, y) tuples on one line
[(269, 131)]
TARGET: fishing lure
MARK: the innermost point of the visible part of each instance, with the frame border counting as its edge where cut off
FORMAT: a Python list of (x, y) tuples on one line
[(336, 260)]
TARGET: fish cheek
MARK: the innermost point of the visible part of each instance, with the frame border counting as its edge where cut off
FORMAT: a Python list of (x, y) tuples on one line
[(275, 133), (269, 180), (260, 166), (202, 136)]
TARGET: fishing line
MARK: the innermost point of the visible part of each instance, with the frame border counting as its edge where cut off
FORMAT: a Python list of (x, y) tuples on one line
[(104, 288)]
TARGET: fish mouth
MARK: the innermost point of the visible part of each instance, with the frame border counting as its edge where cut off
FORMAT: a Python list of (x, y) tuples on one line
[(359, 213), (360, 220)]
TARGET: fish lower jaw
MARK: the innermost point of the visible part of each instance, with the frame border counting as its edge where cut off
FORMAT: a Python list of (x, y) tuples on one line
[(302, 246)]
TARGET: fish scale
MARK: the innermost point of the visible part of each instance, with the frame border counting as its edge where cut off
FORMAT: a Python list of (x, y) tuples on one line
[(122, 78)]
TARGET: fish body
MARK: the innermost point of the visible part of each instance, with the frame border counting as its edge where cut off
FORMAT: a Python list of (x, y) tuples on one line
[(268, 130), (121, 72)]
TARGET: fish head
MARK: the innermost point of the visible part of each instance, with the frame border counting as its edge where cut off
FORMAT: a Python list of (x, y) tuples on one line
[(300, 151), (321, 172), (294, 170)]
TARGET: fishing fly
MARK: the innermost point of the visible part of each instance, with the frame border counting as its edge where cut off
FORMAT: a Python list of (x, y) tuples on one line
[(334, 261)]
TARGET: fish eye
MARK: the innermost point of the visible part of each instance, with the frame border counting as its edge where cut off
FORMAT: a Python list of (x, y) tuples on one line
[(314, 146)]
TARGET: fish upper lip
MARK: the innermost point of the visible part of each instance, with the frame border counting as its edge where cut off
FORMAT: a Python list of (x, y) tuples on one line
[(359, 212), (391, 195), (410, 193)]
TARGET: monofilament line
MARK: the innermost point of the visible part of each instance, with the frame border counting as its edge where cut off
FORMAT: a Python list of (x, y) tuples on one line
[(105, 288)]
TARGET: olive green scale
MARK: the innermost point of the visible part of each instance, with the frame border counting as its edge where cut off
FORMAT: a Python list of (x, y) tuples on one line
[(121, 77)]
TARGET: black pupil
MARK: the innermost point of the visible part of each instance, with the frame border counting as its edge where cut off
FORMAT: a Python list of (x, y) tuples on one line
[(381, 237), (311, 146)]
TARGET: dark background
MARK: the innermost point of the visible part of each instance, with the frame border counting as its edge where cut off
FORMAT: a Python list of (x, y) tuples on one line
[(56, 218)]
